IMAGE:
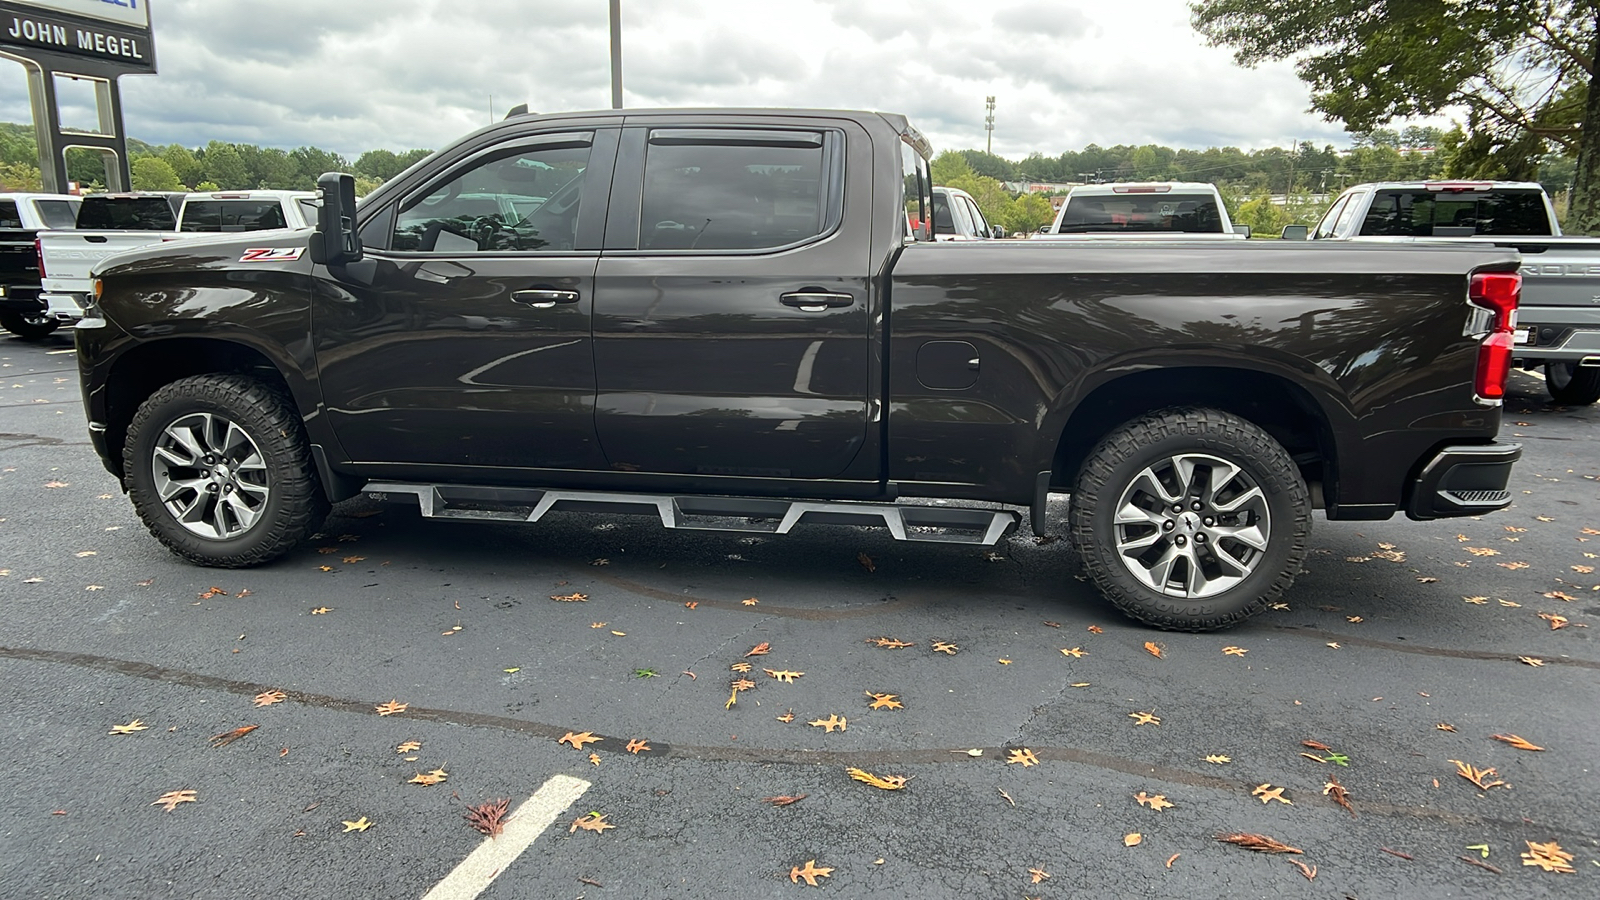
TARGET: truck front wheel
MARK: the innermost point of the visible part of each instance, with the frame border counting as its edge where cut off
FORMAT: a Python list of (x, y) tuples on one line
[(218, 468), (1190, 519), (1571, 384), (29, 328)]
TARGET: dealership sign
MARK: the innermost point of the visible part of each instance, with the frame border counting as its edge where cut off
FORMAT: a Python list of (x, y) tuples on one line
[(108, 31), (134, 13)]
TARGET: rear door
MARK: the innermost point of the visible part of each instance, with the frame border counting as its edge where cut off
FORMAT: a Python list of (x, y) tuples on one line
[(731, 310)]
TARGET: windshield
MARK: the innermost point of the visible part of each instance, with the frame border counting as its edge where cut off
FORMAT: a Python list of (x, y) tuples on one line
[(127, 213), (1190, 213), (1417, 213)]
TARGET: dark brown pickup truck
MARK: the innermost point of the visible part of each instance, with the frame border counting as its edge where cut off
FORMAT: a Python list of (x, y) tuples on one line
[(725, 319)]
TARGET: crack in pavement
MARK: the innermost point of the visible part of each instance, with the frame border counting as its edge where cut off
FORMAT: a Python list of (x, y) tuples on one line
[(754, 755), (1422, 650)]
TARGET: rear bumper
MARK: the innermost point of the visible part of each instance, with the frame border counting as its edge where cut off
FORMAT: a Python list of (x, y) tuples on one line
[(1464, 480), (1559, 333), (63, 307)]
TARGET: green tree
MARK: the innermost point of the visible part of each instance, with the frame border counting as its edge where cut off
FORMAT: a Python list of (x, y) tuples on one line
[(311, 162), (184, 163), (1027, 213), (224, 165), (379, 164), (1520, 67), (152, 173), (19, 176), (1263, 216)]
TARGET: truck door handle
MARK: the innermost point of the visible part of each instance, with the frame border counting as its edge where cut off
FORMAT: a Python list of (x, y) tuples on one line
[(543, 298), (816, 300)]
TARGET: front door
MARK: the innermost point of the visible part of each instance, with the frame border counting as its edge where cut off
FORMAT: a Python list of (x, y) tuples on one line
[(469, 343), (732, 310)]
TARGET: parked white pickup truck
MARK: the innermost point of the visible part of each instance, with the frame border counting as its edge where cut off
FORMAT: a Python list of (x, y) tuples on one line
[(1558, 321), (109, 224), (22, 217), (1190, 210)]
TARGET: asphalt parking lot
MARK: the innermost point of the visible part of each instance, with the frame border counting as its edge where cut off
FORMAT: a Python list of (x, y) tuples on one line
[(1402, 650)]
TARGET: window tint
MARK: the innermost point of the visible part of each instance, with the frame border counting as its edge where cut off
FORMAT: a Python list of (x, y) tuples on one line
[(1190, 213), (1325, 227), (8, 214), (1416, 213), (1341, 228), (979, 223), (233, 215), (58, 213), (715, 190), (916, 183), (127, 213), (517, 200), (308, 209), (944, 218)]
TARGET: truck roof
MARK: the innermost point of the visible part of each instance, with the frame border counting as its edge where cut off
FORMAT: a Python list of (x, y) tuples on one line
[(1458, 184), (1144, 187)]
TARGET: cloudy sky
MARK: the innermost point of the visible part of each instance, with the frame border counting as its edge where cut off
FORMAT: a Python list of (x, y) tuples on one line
[(351, 75)]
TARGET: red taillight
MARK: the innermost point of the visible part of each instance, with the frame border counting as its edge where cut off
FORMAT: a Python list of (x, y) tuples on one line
[(38, 252), (1497, 292)]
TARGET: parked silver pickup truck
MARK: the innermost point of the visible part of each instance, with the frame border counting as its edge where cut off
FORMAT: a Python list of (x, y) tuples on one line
[(1558, 323)]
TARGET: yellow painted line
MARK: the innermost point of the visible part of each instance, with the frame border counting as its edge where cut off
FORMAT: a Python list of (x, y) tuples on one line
[(482, 865)]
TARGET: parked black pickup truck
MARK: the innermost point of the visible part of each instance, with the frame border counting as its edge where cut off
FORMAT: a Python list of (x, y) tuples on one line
[(724, 319)]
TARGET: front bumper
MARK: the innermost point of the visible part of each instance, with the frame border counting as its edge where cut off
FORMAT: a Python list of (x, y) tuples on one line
[(1465, 480)]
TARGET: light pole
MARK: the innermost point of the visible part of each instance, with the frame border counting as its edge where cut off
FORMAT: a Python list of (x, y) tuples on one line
[(988, 125), (616, 54)]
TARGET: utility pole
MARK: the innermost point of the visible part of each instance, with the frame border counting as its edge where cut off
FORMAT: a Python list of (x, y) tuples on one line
[(988, 124), (616, 54)]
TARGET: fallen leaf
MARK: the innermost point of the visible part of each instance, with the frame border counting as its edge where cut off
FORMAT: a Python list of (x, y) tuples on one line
[(1052, 624), (1534, 661), (1219, 759), (170, 800), (882, 782), (831, 722), (1511, 604), (1445, 726), (786, 717), (1483, 551), (390, 708), (489, 817), (867, 562), (1157, 802), (570, 598), (784, 800), (743, 684), (326, 568), (1173, 858), (741, 667), (1405, 856), (1315, 745), (1008, 797), (749, 601), (227, 737), (1583, 570), (1021, 756), (354, 559), (513, 670), (1074, 652), (1144, 718), (408, 747), (733, 698), (1153, 648), (1336, 792), (1354, 620), (1512, 565), (1476, 600), (945, 647), (361, 824), (761, 649), (637, 745), (1515, 741), (890, 643), (812, 871), (783, 675), (267, 698), (1333, 644), (620, 633), (1260, 843), (692, 604), (578, 740), (1096, 629), (1268, 793), (1132, 839), (1003, 662), (1037, 875), (429, 778), (594, 759), (129, 728), (1234, 651), (592, 822), (1476, 775), (884, 701), (1426, 579), (1560, 595), (1549, 857), (322, 610), (1310, 872)]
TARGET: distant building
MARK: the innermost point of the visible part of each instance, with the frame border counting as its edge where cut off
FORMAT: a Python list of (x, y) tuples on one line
[(1038, 187)]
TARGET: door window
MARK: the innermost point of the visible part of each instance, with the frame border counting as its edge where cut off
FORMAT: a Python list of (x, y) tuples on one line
[(1325, 227), (980, 225), (8, 214), (725, 189), (519, 199), (1347, 215)]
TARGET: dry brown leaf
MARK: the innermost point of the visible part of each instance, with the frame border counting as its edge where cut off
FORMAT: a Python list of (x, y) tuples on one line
[(570, 598), (812, 871), (1260, 843), (945, 647), (1445, 726), (890, 643), (577, 740), (1515, 741), (1132, 839), (170, 800), (1268, 793), (429, 778), (741, 667), (1021, 756), (867, 562), (390, 708), (1316, 745), (786, 717), (783, 675), (637, 745), (1583, 570), (1096, 629), (592, 822), (1037, 875), (742, 684), (1144, 718), (1337, 793), (761, 649), (1477, 601), (322, 610), (1513, 566), (1157, 802), (594, 759), (1234, 651), (267, 698), (1074, 652), (1153, 648), (1476, 775), (1173, 858), (884, 701), (130, 728), (1219, 759), (831, 722), (692, 604), (1310, 872), (408, 747), (1549, 857), (882, 782), (1560, 595), (749, 601), (1483, 551), (1534, 661), (733, 698), (783, 800), (1556, 620), (488, 818), (228, 737)]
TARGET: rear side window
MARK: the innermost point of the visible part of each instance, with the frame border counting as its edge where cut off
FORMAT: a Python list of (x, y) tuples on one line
[(127, 213), (8, 214), (232, 215), (724, 189), (1416, 213), (1189, 213), (944, 218), (58, 213)]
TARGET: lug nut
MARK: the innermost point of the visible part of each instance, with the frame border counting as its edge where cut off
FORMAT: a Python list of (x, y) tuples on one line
[(1179, 540), (1209, 521), (1168, 525), (1200, 538), (211, 489), (227, 489), (1177, 507), (1195, 506)]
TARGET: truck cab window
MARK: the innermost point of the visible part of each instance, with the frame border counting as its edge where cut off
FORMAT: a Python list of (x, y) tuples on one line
[(58, 213), (720, 191), (1325, 227), (521, 200), (9, 218)]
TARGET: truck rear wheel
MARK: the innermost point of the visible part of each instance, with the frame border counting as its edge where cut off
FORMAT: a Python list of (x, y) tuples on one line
[(219, 469), (1572, 384), (29, 328), (1190, 519)]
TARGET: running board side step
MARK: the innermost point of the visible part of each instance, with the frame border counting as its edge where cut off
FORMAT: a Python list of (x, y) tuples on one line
[(939, 524)]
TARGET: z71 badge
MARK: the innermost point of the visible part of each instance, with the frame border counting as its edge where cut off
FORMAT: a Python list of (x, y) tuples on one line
[(272, 254)]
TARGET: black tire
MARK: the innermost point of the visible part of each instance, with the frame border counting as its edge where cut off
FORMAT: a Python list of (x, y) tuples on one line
[(1571, 384), (1110, 481), (294, 504), (29, 328)]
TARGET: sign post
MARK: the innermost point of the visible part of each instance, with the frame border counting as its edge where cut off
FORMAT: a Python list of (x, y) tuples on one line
[(94, 40)]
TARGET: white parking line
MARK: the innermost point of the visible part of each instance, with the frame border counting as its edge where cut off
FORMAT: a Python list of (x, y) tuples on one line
[(527, 822)]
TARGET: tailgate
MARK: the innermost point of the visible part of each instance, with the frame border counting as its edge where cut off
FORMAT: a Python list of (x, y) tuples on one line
[(69, 256), (19, 262), (1560, 272)]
